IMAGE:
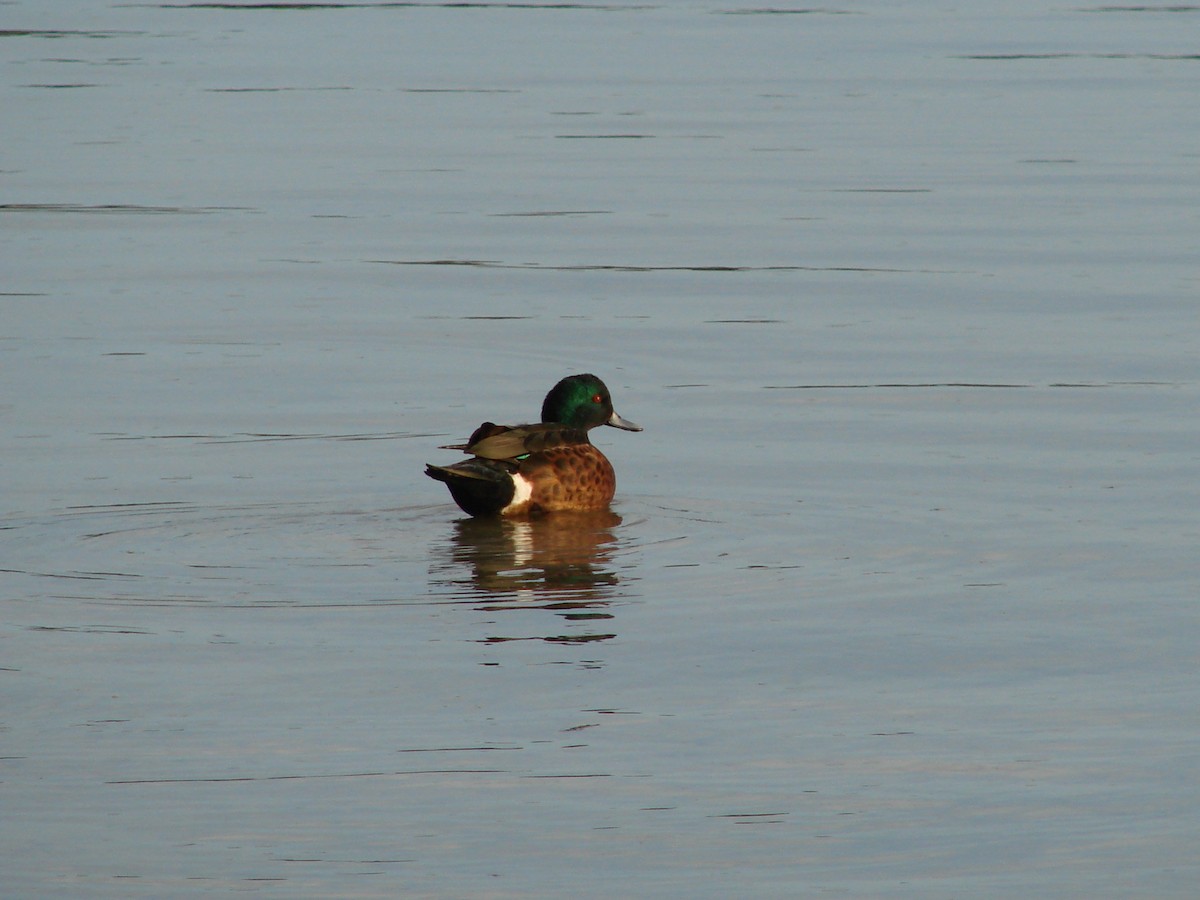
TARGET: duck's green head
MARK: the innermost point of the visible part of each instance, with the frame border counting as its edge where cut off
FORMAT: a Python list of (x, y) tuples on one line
[(582, 401)]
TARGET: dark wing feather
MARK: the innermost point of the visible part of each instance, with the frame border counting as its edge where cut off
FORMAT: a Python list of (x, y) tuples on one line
[(498, 442)]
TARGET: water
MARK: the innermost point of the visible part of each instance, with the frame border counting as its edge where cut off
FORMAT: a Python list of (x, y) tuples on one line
[(897, 596)]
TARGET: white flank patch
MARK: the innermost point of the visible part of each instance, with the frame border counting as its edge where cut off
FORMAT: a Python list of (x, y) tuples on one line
[(522, 491)]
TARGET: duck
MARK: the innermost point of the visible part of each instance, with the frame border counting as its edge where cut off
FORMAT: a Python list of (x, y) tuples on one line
[(549, 466)]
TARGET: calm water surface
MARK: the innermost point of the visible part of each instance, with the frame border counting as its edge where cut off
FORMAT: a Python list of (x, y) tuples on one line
[(898, 594)]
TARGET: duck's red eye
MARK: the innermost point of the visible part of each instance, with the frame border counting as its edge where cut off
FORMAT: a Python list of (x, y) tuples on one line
[(596, 398)]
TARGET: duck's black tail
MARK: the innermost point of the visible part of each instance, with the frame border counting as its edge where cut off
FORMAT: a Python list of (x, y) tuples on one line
[(480, 487)]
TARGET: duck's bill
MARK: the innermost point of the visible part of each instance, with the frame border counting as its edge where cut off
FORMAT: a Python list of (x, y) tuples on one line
[(617, 422)]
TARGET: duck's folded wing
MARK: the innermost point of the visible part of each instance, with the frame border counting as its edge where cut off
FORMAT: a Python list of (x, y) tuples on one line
[(520, 440)]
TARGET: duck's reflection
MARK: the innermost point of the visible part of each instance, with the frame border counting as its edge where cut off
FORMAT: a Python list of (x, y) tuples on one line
[(561, 562)]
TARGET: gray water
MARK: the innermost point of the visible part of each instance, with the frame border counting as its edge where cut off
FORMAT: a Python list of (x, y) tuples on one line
[(898, 593)]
